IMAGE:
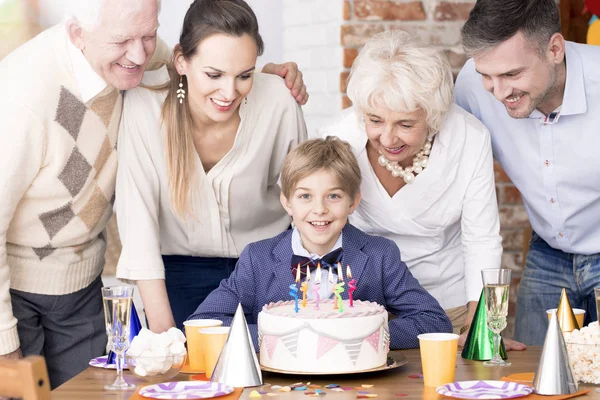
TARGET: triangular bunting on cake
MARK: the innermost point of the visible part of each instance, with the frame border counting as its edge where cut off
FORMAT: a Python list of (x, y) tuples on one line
[(270, 343), (373, 340), (291, 342), (324, 345), (353, 349), (386, 340)]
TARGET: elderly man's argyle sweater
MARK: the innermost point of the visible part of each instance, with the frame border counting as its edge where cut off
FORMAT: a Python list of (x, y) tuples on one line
[(57, 172)]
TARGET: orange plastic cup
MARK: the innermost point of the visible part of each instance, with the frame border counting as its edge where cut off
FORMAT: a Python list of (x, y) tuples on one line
[(192, 334), (213, 340), (438, 357)]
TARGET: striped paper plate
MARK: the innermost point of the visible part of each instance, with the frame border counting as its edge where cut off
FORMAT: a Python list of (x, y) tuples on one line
[(484, 390)]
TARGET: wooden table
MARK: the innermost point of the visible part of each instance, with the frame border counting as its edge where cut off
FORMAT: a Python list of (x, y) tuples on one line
[(89, 385)]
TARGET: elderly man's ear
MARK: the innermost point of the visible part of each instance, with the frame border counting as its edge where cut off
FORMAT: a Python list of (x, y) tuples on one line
[(75, 32)]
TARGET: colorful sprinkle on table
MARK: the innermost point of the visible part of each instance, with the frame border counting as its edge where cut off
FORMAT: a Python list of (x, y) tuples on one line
[(416, 376), (366, 396), (271, 394), (337, 389), (367, 386), (308, 393), (331, 386), (299, 388), (297, 384), (254, 394), (276, 387), (285, 389), (314, 386)]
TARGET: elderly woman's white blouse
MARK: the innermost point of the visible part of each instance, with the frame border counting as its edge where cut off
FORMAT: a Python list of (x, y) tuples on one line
[(238, 199), (445, 222)]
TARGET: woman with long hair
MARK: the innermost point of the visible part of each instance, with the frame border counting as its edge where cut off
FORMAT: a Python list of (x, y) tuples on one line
[(200, 153)]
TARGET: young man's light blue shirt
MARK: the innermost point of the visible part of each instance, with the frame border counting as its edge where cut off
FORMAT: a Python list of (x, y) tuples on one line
[(554, 161)]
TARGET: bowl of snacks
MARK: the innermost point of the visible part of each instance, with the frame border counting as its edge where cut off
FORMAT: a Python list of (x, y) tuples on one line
[(583, 347), (156, 368), (156, 357)]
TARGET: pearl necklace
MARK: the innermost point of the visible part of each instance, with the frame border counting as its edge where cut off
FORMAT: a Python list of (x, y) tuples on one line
[(408, 173)]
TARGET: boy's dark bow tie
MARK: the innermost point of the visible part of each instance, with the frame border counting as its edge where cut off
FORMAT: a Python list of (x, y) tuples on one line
[(327, 261)]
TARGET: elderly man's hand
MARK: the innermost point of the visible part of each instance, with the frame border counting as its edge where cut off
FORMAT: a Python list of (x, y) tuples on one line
[(15, 355), (293, 79)]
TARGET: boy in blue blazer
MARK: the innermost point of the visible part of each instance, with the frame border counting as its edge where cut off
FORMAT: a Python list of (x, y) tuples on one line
[(320, 184)]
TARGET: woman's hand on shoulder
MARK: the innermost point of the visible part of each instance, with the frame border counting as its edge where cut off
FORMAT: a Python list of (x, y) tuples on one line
[(293, 79)]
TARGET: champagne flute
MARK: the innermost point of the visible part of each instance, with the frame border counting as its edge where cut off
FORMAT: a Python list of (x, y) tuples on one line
[(496, 285), (117, 316)]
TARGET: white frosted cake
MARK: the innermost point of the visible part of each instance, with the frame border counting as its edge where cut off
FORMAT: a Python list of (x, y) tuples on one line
[(323, 340)]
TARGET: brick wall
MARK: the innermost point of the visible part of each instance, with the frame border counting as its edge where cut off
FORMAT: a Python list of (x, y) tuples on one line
[(438, 22), (311, 38)]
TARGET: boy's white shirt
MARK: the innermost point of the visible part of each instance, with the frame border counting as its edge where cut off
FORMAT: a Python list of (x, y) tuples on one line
[(325, 292)]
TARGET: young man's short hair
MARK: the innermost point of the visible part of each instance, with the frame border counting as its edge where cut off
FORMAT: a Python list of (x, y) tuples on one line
[(331, 154), (492, 22)]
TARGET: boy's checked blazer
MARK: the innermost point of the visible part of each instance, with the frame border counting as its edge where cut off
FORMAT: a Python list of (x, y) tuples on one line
[(263, 275)]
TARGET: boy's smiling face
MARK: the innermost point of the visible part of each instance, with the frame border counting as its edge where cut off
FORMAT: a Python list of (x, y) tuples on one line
[(320, 209)]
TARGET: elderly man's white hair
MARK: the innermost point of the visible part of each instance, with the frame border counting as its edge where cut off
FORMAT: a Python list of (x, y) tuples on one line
[(89, 12), (397, 71)]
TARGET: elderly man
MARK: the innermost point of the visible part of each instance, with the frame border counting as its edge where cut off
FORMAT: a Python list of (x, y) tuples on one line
[(60, 107), (539, 96)]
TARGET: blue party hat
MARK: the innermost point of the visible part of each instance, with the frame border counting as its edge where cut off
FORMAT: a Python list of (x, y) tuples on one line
[(135, 326)]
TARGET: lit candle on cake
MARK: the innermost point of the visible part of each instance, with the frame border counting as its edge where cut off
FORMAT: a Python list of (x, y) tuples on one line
[(339, 288), (294, 289), (304, 286), (332, 282), (317, 286), (351, 285)]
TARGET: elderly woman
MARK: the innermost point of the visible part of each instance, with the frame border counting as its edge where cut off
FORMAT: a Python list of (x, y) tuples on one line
[(427, 165)]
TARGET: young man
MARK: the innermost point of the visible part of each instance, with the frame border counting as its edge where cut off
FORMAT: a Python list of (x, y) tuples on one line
[(320, 188), (539, 96), (60, 106)]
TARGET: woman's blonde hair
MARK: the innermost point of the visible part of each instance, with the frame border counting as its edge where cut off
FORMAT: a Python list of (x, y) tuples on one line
[(331, 154), (204, 18), (397, 71)]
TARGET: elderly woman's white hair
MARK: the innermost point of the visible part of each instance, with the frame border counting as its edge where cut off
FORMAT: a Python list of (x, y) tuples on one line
[(397, 71), (88, 13)]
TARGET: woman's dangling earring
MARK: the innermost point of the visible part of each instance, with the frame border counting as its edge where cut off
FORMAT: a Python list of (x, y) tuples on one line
[(180, 91), (245, 100)]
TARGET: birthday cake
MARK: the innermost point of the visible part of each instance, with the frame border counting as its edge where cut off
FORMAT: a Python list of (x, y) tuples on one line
[(323, 340)]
